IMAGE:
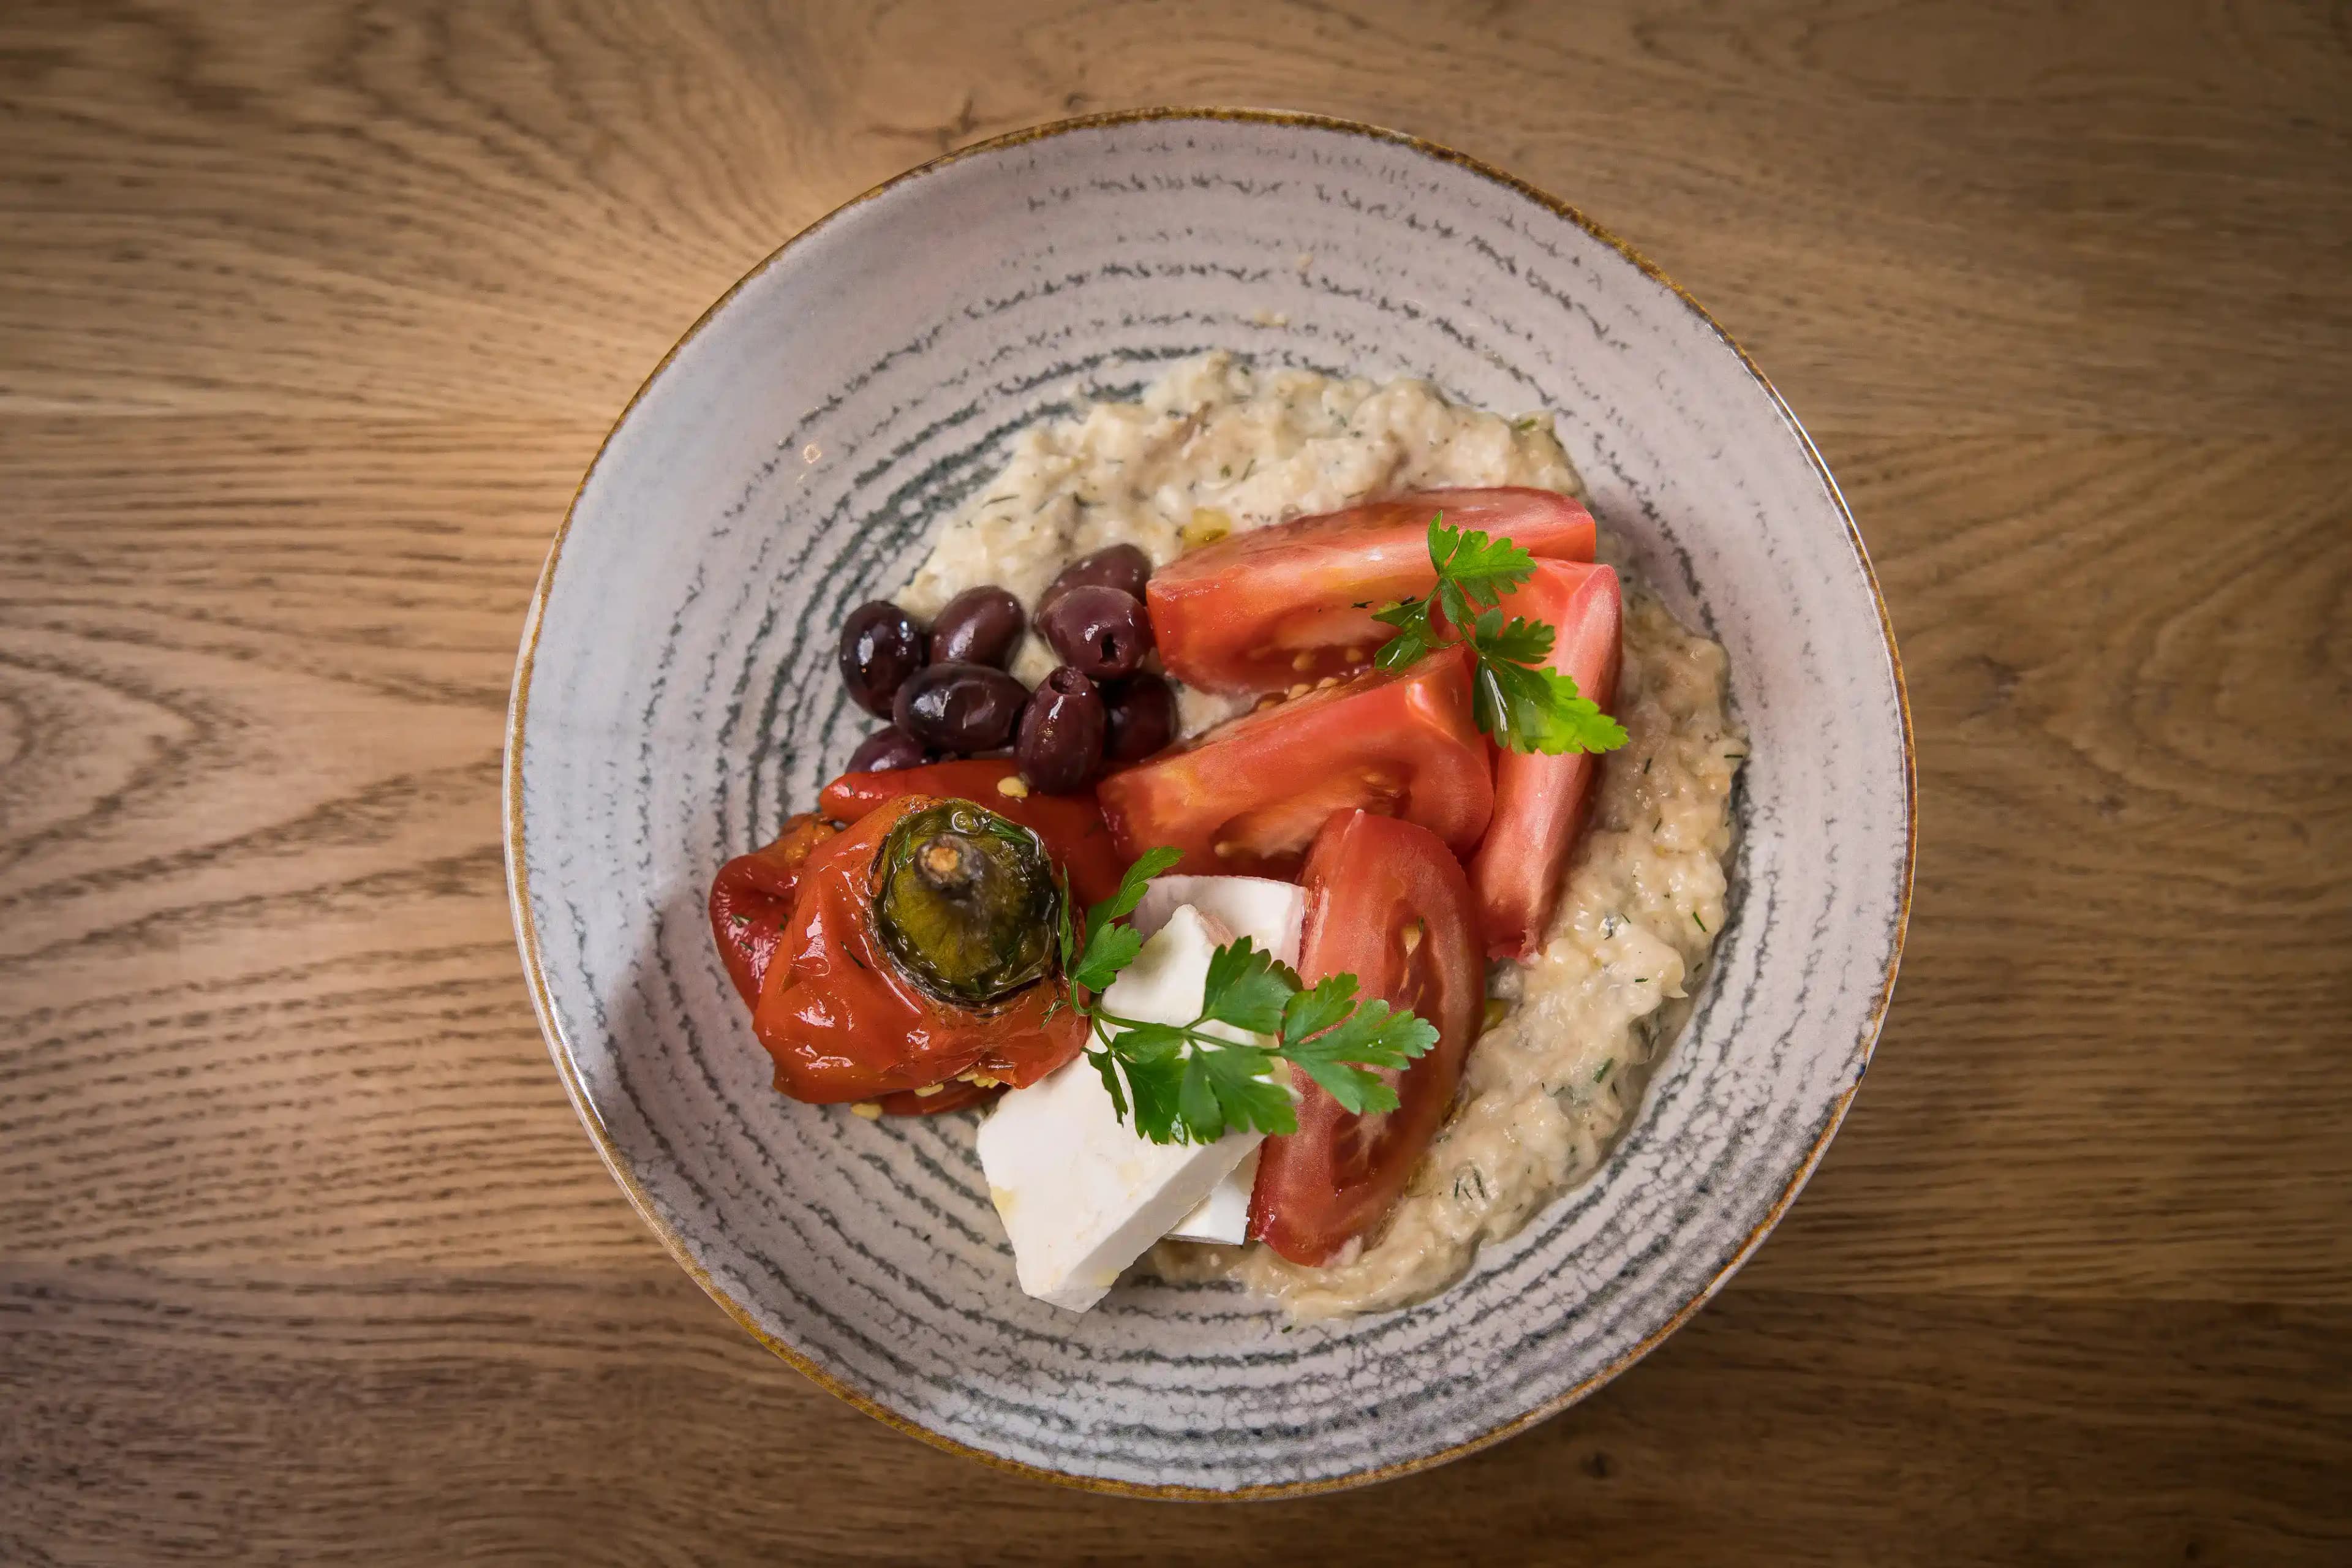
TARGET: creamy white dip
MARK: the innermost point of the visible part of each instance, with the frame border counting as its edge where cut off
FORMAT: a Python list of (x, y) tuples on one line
[(1215, 448)]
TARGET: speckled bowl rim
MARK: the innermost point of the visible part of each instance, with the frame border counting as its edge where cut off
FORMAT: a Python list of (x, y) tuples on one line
[(543, 1004)]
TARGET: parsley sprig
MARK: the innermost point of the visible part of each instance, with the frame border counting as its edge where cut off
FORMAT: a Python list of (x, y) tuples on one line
[(1517, 700), (1194, 1082)]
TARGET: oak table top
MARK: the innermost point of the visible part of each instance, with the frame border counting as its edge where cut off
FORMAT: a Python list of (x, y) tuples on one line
[(311, 316)]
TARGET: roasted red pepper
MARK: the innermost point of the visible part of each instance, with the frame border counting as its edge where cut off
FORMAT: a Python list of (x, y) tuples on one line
[(955, 1096), (751, 898), (845, 1021), (1070, 824)]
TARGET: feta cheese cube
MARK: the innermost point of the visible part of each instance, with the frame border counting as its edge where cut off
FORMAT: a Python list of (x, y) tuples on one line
[(1081, 1194), (1269, 913), (1266, 912), (1223, 1214)]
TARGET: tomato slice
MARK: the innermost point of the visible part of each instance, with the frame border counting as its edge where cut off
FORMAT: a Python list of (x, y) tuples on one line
[(1262, 610), (751, 898), (844, 1023), (1247, 798), (1540, 803), (1387, 902), (1071, 825)]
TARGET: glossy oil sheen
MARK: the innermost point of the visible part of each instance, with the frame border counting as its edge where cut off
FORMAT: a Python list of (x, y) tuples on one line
[(677, 698)]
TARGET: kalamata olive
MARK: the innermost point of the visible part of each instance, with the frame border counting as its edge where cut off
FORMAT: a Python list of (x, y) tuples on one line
[(1140, 714), (1122, 566), (880, 646), (962, 708), (1103, 631), (979, 626), (1061, 743), (887, 748), (967, 903)]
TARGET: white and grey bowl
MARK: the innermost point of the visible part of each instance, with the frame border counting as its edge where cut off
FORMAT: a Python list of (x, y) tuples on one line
[(677, 698)]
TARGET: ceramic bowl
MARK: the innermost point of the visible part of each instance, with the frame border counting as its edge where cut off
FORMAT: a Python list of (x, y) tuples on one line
[(676, 697)]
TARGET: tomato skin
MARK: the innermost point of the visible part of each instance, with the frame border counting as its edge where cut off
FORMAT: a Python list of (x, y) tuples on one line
[(844, 1023), (1071, 825), (1261, 787), (1264, 610), (1541, 803), (1369, 881), (751, 898)]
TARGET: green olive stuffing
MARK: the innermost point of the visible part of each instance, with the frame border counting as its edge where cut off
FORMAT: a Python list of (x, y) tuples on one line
[(966, 903)]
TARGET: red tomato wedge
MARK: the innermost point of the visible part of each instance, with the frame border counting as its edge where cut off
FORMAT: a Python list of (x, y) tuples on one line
[(1264, 610), (1387, 902), (1071, 825), (1540, 803), (1248, 797), (751, 898)]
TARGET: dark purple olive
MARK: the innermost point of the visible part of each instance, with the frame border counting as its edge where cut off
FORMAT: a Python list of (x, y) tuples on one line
[(1141, 718), (887, 748), (880, 646), (960, 707), (979, 626), (1103, 631), (1122, 566), (1061, 740)]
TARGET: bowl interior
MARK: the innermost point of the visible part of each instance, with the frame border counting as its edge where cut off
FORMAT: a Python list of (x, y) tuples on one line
[(677, 698)]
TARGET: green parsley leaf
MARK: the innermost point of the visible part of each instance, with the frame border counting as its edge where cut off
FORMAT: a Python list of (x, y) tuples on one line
[(1481, 570), (1453, 602), (1401, 651), (1415, 635), (1109, 950), (1106, 1065), (1247, 988), (1522, 641), (1109, 946), (1157, 1087), (1359, 1092), (1375, 1035), (1183, 1083), (1523, 705), (1311, 1012), (1531, 710), (1337, 1057), (1444, 541), (1197, 1102), (1132, 889), (1150, 1042), (1241, 1080)]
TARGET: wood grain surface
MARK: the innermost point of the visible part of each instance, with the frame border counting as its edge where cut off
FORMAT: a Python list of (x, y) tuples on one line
[(311, 314)]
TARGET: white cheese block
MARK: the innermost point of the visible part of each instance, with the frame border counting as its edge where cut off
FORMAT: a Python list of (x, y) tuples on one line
[(1223, 1214), (1081, 1195), (1266, 912), (1269, 913)]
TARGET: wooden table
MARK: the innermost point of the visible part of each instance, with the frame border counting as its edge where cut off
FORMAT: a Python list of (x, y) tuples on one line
[(310, 317)]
